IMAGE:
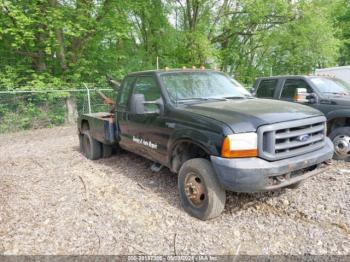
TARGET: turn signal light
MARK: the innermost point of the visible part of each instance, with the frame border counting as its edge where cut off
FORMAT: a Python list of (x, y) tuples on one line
[(240, 145)]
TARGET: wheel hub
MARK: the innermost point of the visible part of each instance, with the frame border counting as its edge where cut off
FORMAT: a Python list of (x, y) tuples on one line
[(195, 190), (342, 145)]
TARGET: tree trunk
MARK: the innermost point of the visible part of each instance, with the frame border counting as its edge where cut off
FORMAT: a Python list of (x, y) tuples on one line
[(72, 112), (61, 52), (39, 62)]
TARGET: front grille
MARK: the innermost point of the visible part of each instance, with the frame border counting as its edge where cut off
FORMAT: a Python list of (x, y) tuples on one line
[(292, 138)]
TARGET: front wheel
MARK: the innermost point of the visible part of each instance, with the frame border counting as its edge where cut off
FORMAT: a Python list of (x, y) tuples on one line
[(341, 141), (200, 191)]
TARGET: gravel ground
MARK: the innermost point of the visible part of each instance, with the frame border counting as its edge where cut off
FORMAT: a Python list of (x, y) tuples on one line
[(54, 201)]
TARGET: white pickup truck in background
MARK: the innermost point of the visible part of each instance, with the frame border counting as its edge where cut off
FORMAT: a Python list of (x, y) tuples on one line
[(341, 72)]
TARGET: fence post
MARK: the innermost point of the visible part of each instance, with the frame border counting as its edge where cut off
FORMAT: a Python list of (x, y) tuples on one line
[(72, 111), (88, 97)]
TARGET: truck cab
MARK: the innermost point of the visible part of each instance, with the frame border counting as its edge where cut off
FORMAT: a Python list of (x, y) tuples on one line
[(330, 95), (208, 129)]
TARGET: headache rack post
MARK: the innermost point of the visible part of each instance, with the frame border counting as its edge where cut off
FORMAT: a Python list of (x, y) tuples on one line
[(88, 97)]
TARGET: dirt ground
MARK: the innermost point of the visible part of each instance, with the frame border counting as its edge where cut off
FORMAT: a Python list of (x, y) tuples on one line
[(55, 201)]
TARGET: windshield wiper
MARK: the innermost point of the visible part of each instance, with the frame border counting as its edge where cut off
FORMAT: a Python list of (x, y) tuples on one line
[(337, 93), (201, 99), (236, 97)]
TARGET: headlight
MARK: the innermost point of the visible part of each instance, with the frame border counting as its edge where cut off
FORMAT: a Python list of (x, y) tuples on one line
[(240, 145)]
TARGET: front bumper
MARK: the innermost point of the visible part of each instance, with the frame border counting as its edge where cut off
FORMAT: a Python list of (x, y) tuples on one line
[(256, 174)]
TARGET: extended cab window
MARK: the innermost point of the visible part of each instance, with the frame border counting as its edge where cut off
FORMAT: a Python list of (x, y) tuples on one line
[(126, 91), (266, 88), (290, 87), (147, 86)]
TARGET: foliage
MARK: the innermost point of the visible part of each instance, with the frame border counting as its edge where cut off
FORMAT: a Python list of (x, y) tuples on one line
[(29, 111), (61, 44), (342, 23), (64, 43)]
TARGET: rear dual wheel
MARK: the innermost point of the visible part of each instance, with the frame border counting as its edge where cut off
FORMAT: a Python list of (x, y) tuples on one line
[(106, 150), (90, 147)]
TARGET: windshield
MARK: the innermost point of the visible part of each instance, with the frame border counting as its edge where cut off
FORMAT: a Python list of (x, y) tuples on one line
[(331, 86), (184, 86)]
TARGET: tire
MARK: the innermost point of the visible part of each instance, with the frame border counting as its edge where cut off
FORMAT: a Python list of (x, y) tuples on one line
[(198, 180), (106, 150), (92, 149), (81, 148), (295, 185), (341, 141)]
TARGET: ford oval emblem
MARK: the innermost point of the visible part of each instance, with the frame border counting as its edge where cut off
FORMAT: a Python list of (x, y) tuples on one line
[(303, 138)]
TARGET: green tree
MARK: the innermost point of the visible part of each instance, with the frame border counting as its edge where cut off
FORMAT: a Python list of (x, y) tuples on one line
[(62, 43), (342, 14)]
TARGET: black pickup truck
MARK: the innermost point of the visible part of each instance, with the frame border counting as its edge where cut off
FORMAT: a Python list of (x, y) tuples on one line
[(328, 94), (208, 129)]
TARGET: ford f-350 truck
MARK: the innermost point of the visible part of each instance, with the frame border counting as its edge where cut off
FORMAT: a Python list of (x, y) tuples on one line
[(209, 130)]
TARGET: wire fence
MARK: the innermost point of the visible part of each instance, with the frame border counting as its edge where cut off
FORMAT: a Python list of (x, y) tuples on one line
[(32, 109)]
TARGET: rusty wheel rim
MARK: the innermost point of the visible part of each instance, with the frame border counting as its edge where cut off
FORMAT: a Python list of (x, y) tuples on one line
[(195, 190)]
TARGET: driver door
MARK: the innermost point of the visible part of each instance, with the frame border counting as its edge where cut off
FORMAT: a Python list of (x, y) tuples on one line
[(290, 89), (147, 130), (289, 93)]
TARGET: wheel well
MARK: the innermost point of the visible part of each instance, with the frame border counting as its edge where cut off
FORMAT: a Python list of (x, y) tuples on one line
[(85, 125), (337, 122), (185, 151)]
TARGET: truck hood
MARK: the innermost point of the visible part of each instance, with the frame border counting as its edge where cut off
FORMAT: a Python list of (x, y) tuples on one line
[(341, 100), (246, 115)]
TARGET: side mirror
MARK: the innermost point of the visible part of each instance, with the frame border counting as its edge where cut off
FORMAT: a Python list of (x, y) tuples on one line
[(136, 104), (139, 106), (301, 95), (312, 98)]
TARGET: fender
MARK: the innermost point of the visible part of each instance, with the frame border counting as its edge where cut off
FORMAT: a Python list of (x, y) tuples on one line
[(80, 120), (101, 129), (207, 141), (338, 113)]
